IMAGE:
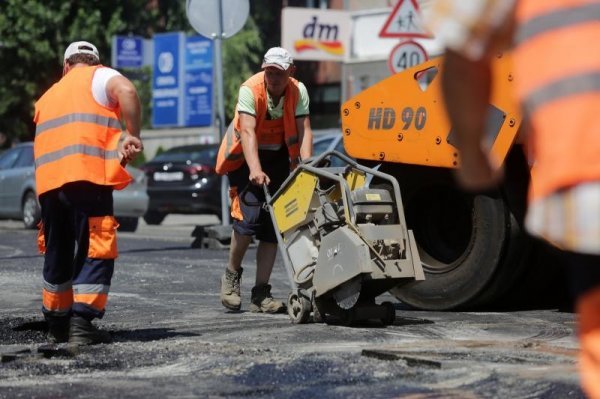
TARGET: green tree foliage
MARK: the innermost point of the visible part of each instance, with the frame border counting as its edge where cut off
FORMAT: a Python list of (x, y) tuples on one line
[(35, 33)]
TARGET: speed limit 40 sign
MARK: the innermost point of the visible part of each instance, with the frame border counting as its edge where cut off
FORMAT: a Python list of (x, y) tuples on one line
[(405, 55)]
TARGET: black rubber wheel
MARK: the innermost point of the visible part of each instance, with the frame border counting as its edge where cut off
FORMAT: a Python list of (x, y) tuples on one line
[(129, 224), (390, 316), (461, 241), (298, 308), (318, 316), (30, 209), (154, 217)]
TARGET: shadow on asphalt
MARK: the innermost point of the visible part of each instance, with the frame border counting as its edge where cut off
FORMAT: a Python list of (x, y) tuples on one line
[(20, 331), (147, 334), (178, 248), (21, 257)]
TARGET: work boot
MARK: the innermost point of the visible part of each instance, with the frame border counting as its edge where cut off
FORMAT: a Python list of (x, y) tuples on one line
[(58, 329), (262, 300), (230, 289), (83, 332)]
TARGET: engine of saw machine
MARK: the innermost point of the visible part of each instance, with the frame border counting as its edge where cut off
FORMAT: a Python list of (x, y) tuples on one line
[(343, 242)]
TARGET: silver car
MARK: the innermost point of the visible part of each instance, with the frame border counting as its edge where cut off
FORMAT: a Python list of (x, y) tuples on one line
[(18, 199)]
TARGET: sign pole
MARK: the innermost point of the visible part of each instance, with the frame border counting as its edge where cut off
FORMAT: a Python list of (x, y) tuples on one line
[(210, 19), (218, 40)]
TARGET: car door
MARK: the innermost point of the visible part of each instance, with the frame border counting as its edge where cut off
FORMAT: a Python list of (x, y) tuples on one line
[(9, 192)]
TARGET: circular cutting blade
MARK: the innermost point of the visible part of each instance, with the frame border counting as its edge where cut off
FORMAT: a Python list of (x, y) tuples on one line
[(346, 295)]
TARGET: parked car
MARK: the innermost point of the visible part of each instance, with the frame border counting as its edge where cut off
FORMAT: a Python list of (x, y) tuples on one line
[(18, 198), (183, 180)]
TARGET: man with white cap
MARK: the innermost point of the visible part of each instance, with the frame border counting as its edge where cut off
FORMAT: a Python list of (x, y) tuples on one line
[(269, 134), (79, 162)]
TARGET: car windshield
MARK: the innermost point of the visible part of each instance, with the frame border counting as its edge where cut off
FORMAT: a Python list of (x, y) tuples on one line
[(201, 155)]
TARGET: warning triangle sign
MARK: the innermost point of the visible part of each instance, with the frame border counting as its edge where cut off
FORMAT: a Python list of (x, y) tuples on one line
[(405, 20)]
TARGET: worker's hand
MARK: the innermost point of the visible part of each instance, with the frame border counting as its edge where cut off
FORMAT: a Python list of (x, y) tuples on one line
[(130, 149), (259, 178), (478, 172)]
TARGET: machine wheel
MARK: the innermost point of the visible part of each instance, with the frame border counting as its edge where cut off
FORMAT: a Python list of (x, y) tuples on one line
[(30, 210), (467, 243), (390, 316), (298, 308), (154, 217)]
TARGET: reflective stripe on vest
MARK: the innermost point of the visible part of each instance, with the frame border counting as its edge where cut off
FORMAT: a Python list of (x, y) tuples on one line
[(557, 19), (229, 140), (571, 85), (88, 118), (76, 149)]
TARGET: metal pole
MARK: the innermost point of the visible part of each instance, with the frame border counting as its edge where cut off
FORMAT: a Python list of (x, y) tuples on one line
[(218, 40)]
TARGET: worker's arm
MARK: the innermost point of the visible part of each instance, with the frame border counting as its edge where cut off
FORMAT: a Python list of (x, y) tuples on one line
[(250, 148), (466, 87), (305, 137), (121, 91)]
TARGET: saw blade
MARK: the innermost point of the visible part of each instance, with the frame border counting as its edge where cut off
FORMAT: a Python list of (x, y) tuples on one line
[(346, 295)]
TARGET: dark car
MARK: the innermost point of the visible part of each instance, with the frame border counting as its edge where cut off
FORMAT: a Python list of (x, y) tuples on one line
[(183, 180), (18, 198)]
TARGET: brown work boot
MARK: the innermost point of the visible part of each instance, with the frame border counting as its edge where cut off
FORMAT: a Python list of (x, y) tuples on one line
[(83, 332), (262, 300), (230, 289)]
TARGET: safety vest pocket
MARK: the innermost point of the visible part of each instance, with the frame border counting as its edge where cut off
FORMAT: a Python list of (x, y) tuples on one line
[(41, 238), (103, 237)]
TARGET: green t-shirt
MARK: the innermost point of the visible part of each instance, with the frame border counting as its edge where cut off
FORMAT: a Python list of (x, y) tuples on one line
[(246, 103)]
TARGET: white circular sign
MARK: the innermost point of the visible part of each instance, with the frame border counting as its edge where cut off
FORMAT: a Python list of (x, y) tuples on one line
[(209, 17), (165, 62), (406, 55)]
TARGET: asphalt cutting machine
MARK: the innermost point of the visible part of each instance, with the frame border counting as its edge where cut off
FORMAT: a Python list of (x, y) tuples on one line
[(343, 243)]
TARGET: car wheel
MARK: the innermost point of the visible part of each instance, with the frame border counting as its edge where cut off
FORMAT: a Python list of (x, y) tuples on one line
[(129, 224), (31, 210), (154, 217)]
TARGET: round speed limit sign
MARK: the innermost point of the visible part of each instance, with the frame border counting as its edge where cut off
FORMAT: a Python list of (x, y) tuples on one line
[(406, 55)]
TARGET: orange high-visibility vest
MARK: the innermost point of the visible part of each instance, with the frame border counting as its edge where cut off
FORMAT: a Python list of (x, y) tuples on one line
[(231, 156), (76, 139), (557, 62)]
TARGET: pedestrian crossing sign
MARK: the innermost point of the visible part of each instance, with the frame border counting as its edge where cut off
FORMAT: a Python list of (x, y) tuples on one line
[(405, 20)]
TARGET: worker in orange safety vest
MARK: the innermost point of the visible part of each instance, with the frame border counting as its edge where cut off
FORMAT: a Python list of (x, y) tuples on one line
[(269, 134), (556, 57), (78, 163)]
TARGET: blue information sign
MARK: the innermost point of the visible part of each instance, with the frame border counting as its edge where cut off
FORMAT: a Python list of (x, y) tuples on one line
[(182, 82), (128, 52), (198, 81), (167, 80)]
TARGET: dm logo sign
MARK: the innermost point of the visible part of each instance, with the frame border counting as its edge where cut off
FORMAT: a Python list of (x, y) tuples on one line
[(319, 35)]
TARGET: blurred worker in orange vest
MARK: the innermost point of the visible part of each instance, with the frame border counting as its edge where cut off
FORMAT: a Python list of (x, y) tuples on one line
[(269, 133), (78, 163), (557, 74)]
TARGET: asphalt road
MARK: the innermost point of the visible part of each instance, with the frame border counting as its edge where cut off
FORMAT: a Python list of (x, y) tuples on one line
[(173, 339)]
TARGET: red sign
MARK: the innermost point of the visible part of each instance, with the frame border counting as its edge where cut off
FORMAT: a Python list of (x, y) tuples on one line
[(406, 55)]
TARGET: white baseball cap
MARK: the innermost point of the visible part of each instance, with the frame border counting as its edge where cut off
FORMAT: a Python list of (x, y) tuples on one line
[(277, 57), (81, 47)]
